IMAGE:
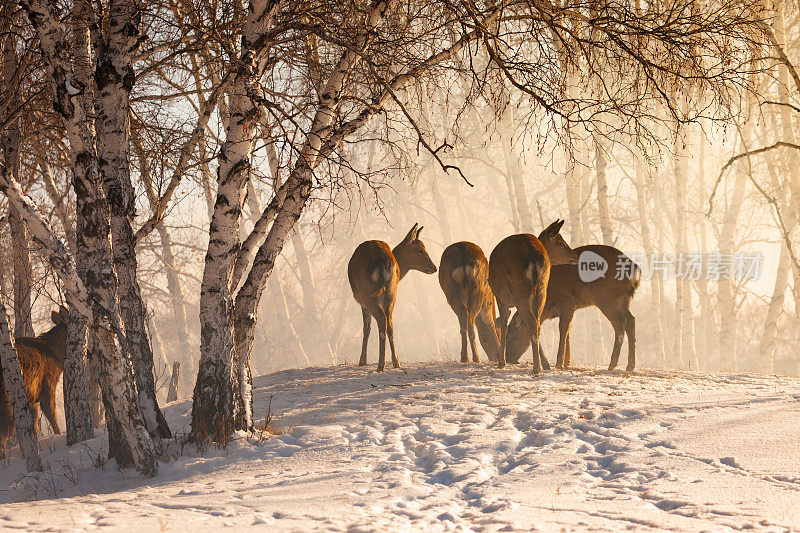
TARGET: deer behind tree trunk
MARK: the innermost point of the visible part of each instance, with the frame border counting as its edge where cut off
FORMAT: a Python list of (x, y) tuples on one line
[(41, 359)]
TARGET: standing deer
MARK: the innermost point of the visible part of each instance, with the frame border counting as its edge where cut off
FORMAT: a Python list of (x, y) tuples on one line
[(374, 272), (464, 278), (567, 292), (41, 360), (519, 269)]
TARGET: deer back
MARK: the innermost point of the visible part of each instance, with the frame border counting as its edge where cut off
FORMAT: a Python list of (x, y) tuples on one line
[(464, 277), (372, 270), (615, 287), (518, 265), (567, 292)]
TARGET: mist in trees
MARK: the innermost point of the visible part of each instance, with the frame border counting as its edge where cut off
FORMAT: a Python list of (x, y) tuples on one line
[(191, 178)]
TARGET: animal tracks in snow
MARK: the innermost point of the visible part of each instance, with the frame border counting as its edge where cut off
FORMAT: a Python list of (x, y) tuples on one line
[(468, 447)]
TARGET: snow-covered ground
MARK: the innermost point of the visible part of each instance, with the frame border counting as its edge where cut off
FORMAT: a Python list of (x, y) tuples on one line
[(447, 446)]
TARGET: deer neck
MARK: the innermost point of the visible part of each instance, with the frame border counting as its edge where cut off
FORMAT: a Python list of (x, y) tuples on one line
[(402, 262)]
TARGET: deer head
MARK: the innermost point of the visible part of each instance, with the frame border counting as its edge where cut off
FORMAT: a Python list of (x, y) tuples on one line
[(412, 255), (557, 248)]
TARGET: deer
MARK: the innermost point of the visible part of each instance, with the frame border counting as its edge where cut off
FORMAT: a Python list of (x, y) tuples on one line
[(374, 272), (611, 292), (464, 278), (519, 270), (41, 359)]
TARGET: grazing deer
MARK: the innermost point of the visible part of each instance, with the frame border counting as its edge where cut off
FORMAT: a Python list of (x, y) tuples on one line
[(464, 278), (41, 359), (567, 292), (519, 269), (374, 272)]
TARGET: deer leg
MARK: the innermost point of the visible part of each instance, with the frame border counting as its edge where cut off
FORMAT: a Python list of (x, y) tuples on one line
[(564, 323), (542, 359), (390, 333), (536, 307), (463, 320), (630, 329), (504, 313), (380, 318), (367, 321), (537, 366), (47, 401), (567, 352), (471, 332), (618, 322)]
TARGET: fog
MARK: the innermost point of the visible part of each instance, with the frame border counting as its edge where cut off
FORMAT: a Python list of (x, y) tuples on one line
[(308, 315)]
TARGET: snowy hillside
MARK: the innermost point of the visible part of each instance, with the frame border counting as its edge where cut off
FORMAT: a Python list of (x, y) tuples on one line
[(451, 447)]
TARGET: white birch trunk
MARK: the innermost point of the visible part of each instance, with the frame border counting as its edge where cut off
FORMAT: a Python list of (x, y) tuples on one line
[(601, 163), (217, 410), (791, 211), (647, 244), (15, 389), (76, 401), (11, 140), (114, 79), (98, 278)]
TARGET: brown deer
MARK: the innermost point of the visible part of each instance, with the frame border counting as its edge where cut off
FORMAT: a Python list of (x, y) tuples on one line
[(374, 272), (519, 269), (567, 292), (464, 278), (41, 360)]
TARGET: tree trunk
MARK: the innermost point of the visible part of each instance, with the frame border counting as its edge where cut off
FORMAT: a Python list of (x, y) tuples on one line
[(601, 163), (217, 410), (76, 404), (14, 387), (114, 80), (172, 394), (11, 139), (317, 328), (246, 310), (94, 391), (94, 262), (644, 225), (683, 333), (223, 393)]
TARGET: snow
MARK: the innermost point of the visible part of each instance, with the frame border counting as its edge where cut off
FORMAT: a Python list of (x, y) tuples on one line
[(446, 446)]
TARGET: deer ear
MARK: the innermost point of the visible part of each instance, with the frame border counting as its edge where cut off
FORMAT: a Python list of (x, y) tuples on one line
[(64, 312), (418, 232), (55, 317), (551, 230), (412, 234)]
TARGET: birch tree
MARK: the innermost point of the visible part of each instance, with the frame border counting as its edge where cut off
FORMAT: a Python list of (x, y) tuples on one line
[(95, 266), (18, 398)]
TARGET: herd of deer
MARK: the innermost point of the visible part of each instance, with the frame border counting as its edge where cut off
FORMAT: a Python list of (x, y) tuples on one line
[(537, 276)]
